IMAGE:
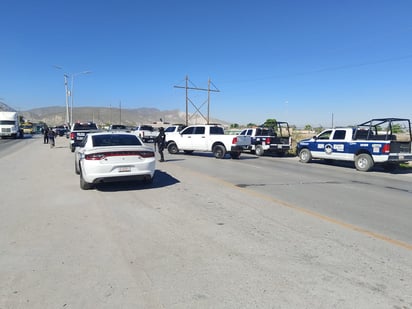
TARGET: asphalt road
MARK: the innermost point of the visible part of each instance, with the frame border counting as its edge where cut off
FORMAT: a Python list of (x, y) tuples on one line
[(250, 233)]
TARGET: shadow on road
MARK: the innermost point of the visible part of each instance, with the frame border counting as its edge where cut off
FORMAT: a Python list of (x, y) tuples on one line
[(161, 179)]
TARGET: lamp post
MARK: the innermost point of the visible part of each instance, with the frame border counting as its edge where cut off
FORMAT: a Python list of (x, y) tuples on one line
[(71, 93), (69, 77)]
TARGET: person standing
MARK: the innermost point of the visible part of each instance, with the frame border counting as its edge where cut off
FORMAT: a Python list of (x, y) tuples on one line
[(161, 143), (45, 135), (51, 135)]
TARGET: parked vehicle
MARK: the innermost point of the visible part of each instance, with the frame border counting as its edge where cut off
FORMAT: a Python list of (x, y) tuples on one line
[(113, 156), (118, 127), (10, 125), (79, 131), (27, 127), (146, 133), (174, 128), (61, 130), (385, 141), (275, 140), (205, 138)]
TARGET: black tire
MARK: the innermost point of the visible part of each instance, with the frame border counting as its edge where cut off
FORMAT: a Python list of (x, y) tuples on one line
[(172, 148), (76, 168), (72, 148), (148, 180), (85, 185), (363, 162), (305, 156), (219, 151), (188, 151), (235, 154), (259, 150)]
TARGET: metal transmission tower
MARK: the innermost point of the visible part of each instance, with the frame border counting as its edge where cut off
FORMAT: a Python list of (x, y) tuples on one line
[(196, 107)]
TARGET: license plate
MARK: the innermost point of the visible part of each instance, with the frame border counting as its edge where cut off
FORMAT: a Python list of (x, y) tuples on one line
[(124, 169), (80, 134)]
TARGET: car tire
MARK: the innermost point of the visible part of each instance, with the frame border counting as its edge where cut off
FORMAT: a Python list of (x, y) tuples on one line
[(305, 156), (219, 151), (76, 167), (259, 150), (72, 148), (148, 180), (235, 154), (172, 148), (188, 151), (363, 162), (83, 184)]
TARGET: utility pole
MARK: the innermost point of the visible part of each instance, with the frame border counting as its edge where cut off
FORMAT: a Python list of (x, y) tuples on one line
[(196, 107), (120, 112)]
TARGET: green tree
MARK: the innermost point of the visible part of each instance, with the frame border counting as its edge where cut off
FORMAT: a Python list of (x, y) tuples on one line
[(270, 123), (396, 128), (234, 126), (251, 124), (308, 127)]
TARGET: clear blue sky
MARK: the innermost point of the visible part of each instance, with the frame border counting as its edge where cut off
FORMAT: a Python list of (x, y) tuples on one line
[(298, 61)]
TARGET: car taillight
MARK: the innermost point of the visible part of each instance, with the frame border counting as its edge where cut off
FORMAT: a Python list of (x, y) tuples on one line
[(71, 135), (267, 141), (234, 140), (95, 156), (386, 148), (103, 155)]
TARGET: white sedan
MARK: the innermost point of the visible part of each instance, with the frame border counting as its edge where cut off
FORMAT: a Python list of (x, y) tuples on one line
[(113, 156)]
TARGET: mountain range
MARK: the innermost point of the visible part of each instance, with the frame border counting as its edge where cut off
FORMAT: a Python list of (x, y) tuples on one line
[(56, 115)]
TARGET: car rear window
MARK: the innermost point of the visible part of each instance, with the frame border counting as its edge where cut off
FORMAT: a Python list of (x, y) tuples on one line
[(84, 126), (115, 140)]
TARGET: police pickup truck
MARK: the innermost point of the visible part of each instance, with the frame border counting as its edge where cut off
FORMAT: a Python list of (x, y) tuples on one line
[(79, 131), (385, 141), (206, 138), (274, 140)]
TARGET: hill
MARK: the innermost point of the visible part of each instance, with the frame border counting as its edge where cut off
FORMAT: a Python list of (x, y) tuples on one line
[(56, 115)]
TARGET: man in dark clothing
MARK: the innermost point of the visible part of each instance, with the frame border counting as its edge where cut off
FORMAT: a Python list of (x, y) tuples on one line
[(161, 143), (51, 135), (45, 135)]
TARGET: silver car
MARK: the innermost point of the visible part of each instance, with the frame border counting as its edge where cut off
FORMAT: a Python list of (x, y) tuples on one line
[(113, 156)]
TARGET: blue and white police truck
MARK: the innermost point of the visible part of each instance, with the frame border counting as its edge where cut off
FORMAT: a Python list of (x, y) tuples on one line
[(385, 141)]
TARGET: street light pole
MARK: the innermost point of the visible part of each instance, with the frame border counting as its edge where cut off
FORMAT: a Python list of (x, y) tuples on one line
[(67, 76), (67, 99), (71, 93)]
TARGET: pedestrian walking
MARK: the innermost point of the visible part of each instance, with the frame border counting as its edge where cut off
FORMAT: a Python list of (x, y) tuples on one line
[(161, 143), (51, 135), (45, 135)]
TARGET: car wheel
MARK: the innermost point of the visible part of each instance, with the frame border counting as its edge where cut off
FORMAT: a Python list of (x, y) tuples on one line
[(305, 156), (148, 180), (363, 162), (172, 148), (219, 151), (76, 167), (235, 154), (259, 150), (72, 148), (83, 184)]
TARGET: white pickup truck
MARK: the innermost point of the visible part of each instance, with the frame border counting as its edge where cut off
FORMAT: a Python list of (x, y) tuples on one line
[(206, 138), (146, 132)]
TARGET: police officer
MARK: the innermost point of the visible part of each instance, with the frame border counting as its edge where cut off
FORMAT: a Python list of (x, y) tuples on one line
[(161, 143)]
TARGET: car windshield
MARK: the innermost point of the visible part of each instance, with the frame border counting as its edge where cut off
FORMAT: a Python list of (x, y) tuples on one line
[(115, 140)]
